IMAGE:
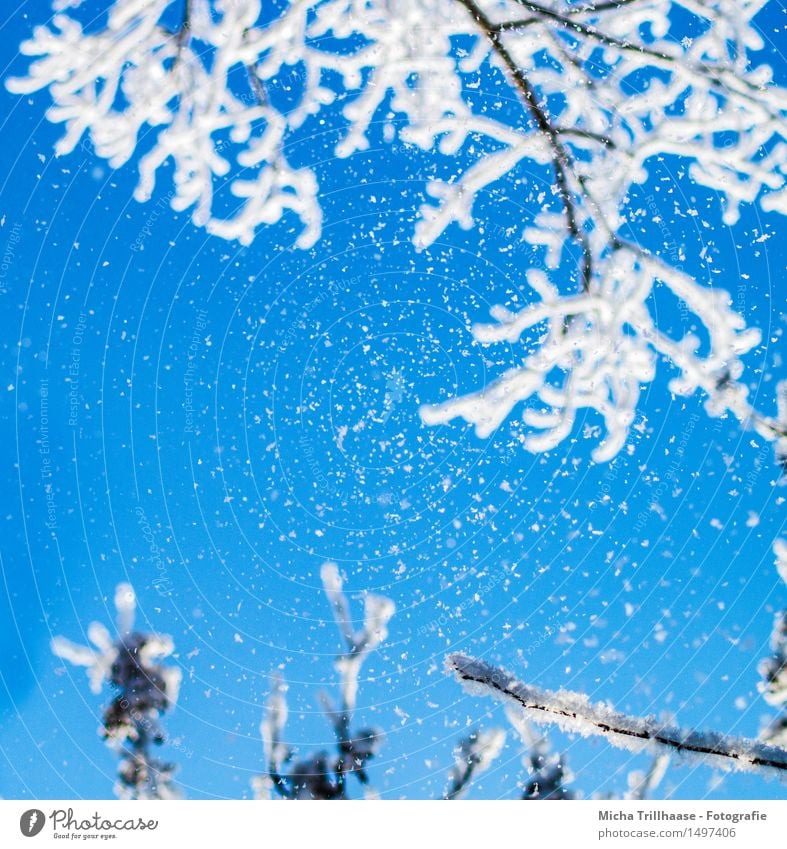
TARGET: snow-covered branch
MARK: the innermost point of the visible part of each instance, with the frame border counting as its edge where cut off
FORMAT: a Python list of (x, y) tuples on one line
[(137, 73), (605, 92), (548, 773), (324, 776), (774, 668), (642, 784), (573, 712), (145, 689), (598, 349), (473, 755), (359, 644)]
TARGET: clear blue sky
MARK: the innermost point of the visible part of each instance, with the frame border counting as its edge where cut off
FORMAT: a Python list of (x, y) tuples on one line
[(484, 548)]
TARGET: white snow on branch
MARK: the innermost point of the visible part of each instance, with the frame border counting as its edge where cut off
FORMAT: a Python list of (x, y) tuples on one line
[(321, 775), (274, 721), (774, 668), (549, 773), (780, 450), (573, 712), (597, 97), (377, 612), (144, 690), (642, 784), (134, 76), (473, 755), (99, 660), (276, 752), (780, 550), (598, 349), (126, 606)]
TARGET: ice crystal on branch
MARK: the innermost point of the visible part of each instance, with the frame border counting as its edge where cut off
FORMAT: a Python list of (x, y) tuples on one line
[(145, 689), (549, 774), (573, 712), (627, 101), (116, 83), (598, 348)]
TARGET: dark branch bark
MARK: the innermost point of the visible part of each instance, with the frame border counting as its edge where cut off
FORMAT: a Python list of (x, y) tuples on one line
[(586, 134), (183, 34), (550, 707), (561, 158), (574, 26), (461, 784), (713, 75)]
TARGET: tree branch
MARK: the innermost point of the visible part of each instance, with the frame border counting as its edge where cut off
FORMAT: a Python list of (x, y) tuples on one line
[(718, 77), (561, 158), (573, 712), (473, 755), (595, 8), (580, 28)]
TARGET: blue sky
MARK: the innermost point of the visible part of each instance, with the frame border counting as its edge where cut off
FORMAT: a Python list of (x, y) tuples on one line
[(304, 372)]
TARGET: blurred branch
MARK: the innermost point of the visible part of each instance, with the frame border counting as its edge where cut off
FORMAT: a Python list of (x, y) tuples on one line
[(322, 776), (145, 690), (473, 755)]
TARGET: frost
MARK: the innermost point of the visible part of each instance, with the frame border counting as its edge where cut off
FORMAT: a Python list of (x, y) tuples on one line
[(549, 774), (599, 105), (573, 712), (642, 784), (145, 689), (780, 550), (377, 611), (774, 669), (473, 755), (321, 775), (599, 348)]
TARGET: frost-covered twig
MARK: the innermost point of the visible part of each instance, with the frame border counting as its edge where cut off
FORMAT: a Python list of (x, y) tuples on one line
[(598, 349), (780, 431), (606, 91), (549, 775), (574, 712), (377, 611), (774, 669), (134, 73), (473, 755), (642, 784), (323, 776), (275, 751), (145, 689), (601, 371)]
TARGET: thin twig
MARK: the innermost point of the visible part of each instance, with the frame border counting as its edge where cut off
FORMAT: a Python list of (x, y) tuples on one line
[(574, 712), (561, 159)]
